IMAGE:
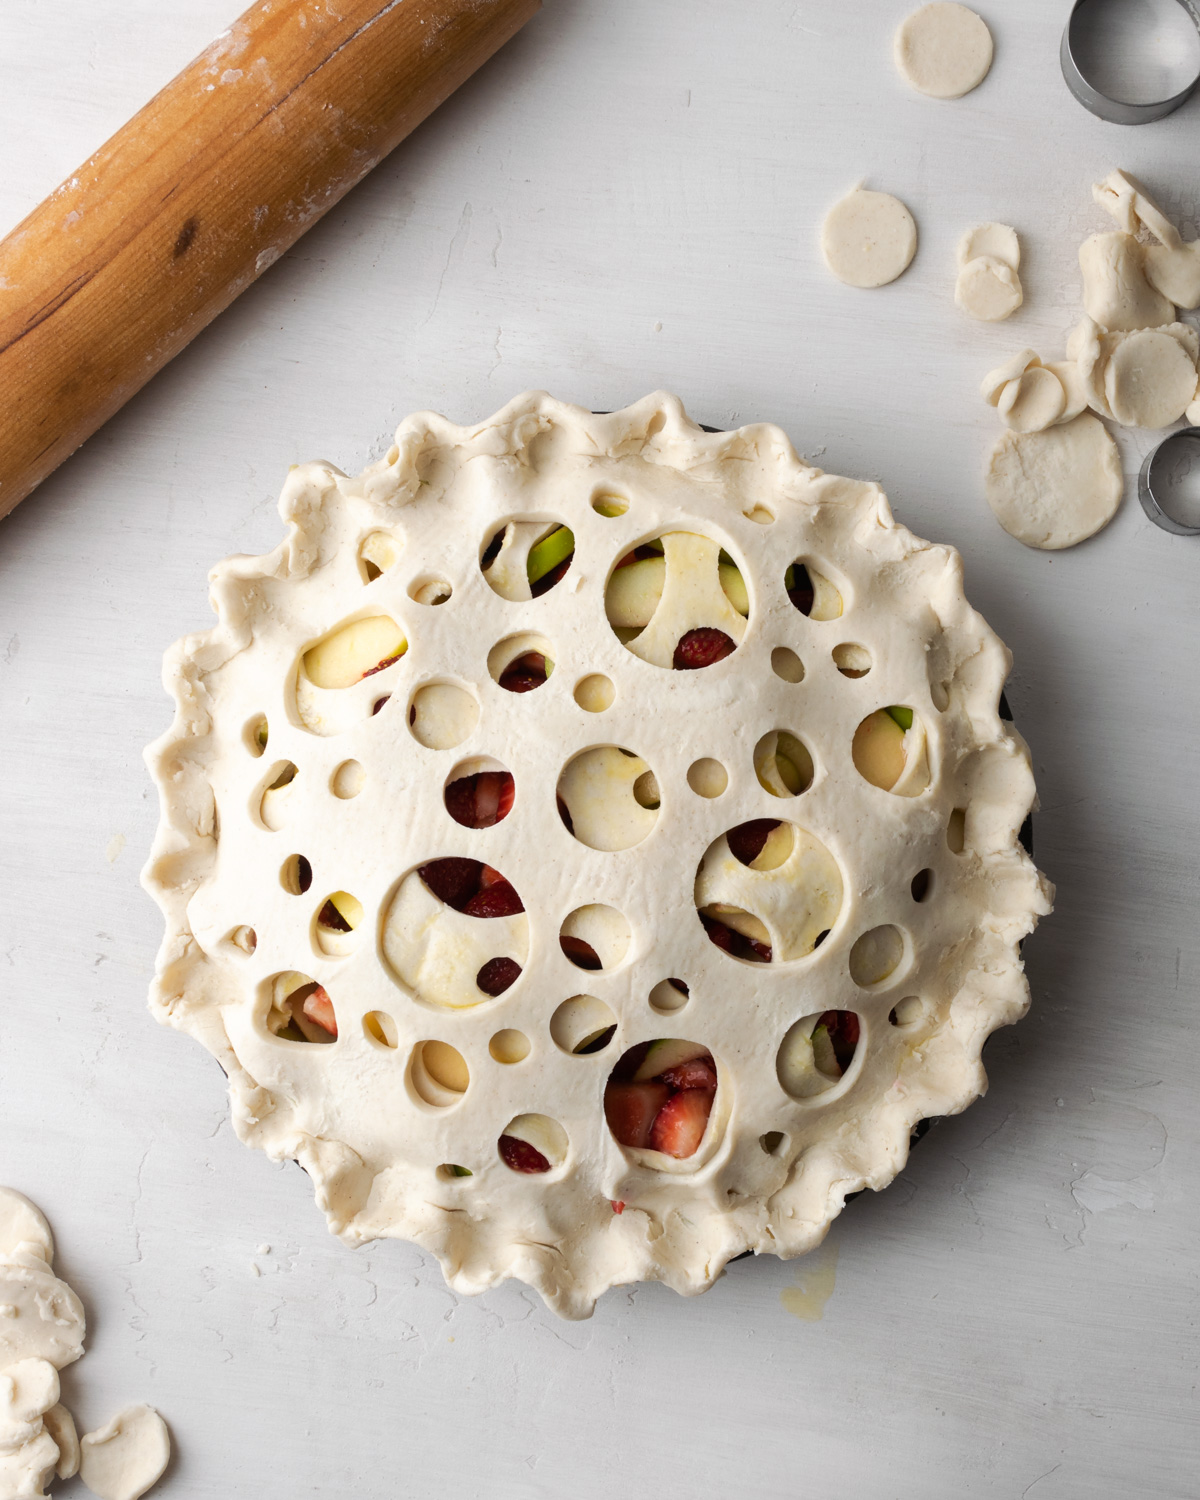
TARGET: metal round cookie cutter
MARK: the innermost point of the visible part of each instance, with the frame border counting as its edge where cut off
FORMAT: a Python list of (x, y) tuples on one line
[(1073, 54), (1182, 447)]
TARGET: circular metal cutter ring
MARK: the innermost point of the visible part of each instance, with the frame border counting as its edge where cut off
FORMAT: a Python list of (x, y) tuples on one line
[(1073, 54), (1182, 447)]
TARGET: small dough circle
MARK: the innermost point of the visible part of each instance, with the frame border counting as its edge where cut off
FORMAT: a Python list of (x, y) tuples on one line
[(1033, 401), (988, 289), (999, 240), (22, 1223), (868, 238), (1055, 488), (1150, 379), (943, 50)]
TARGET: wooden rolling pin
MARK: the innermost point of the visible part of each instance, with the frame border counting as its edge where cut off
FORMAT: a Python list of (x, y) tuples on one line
[(201, 191)]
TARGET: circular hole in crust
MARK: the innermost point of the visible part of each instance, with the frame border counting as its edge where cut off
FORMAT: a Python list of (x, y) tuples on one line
[(244, 939), (817, 1052), (609, 504), (668, 996), (524, 559), (707, 777), (697, 620), (907, 1012), (438, 1074), (521, 663), (956, 831), (659, 1096), (582, 1025), (760, 515), (772, 1142), (889, 751), (442, 715), (430, 590), (255, 734), (300, 1009), (787, 665), (812, 591), (876, 956), (783, 764), (776, 899), (451, 1172), (377, 552), (479, 793), (532, 1144), (509, 1046), (347, 780), (921, 885), (337, 918), (379, 1028), (605, 798), (275, 800), (295, 875), (595, 693), (851, 659), (595, 937)]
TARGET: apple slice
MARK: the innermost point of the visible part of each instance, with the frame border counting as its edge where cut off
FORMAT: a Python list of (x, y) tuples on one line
[(667, 1052), (555, 547), (824, 1057), (354, 651), (634, 591), (734, 586), (878, 749)]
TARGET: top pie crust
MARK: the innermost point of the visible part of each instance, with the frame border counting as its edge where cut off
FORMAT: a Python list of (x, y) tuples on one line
[(375, 1136)]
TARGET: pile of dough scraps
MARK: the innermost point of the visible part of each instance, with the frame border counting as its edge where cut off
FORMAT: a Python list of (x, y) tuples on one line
[(41, 1331), (1054, 478)]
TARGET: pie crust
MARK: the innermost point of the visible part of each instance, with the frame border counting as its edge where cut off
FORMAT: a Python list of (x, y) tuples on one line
[(905, 906)]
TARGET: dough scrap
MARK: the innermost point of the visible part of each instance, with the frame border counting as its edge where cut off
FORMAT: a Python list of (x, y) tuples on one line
[(23, 1227), (868, 238), (1172, 267), (997, 240), (943, 50), (988, 289), (1116, 293), (1035, 400), (60, 1424), (1055, 488), (123, 1459)]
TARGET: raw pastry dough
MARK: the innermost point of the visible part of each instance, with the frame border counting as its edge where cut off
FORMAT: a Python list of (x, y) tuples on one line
[(988, 287), (401, 1117), (1055, 488), (121, 1460), (1116, 293), (943, 50), (1172, 267), (1150, 378), (868, 238)]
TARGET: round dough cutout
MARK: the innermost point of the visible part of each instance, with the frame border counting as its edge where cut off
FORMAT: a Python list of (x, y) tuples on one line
[(868, 238), (1150, 379), (1055, 488), (943, 50)]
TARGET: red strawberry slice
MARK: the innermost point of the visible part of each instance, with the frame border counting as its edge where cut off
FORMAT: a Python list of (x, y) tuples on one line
[(747, 839), (318, 1007), (330, 917), (844, 1031), (524, 673), (618, 1205), (482, 800), (521, 1156), (452, 880), (497, 975), (718, 933), (581, 954), (681, 1122), (700, 1073), (495, 900), (702, 648), (631, 1110)]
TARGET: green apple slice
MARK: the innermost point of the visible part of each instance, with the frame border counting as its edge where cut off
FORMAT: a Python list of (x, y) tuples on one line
[(878, 749), (346, 655), (546, 555), (634, 591), (824, 1057), (734, 586), (667, 1052)]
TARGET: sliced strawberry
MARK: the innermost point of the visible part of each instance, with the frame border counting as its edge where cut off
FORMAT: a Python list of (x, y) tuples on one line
[(618, 1206), (631, 1109), (747, 839), (452, 880), (702, 648), (482, 800), (524, 673), (497, 975), (681, 1122), (718, 933), (547, 581), (521, 1156), (581, 954), (799, 588), (318, 1007), (488, 876), (330, 917), (700, 1073), (495, 900), (379, 666)]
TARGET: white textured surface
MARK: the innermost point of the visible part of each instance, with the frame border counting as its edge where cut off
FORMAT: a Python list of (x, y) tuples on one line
[(1017, 1315)]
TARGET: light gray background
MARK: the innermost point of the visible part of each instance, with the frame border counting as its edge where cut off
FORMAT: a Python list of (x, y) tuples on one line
[(628, 197)]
